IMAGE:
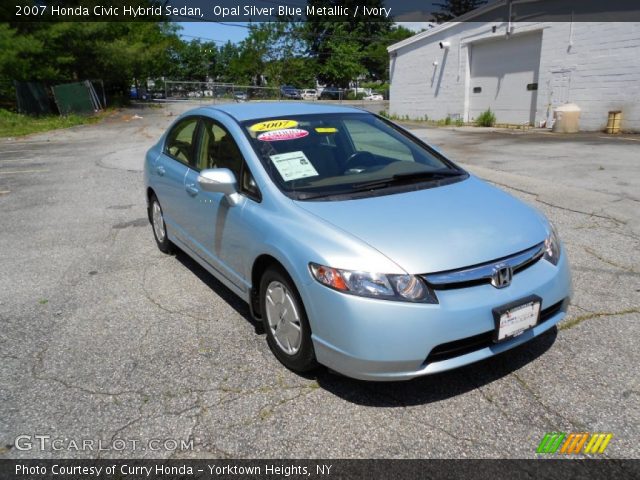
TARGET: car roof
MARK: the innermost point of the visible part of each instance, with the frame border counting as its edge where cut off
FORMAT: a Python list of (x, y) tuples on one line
[(254, 110)]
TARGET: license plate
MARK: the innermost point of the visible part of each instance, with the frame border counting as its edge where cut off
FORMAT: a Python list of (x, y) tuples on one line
[(515, 318)]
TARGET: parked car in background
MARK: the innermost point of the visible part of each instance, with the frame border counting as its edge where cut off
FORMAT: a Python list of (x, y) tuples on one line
[(373, 97), (287, 91), (331, 93), (357, 245), (240, 96), (309, 94)]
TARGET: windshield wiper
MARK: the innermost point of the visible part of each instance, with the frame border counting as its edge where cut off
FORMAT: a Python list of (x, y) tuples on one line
[(396, 179), (407, 177)]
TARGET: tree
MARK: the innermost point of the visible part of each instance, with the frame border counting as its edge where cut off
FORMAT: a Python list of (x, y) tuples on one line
[(343, 63), (375, 57), (116, 52), (454, 8), (248, 66), (227, 55), (370, 36), (194, 60), (273, 54)]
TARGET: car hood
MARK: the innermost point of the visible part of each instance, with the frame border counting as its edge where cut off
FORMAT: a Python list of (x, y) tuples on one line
[(438, 229)]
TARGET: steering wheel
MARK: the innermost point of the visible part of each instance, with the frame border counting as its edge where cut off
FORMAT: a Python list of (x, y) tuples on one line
[(360, 161)]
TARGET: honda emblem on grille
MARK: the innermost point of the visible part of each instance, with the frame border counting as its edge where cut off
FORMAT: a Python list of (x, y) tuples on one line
[(501, 276)]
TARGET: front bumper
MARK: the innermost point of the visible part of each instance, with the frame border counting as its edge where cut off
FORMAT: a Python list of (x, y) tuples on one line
[(372, 339)]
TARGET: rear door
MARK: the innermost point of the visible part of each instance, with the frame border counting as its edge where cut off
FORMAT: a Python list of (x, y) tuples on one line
[(170, 170)]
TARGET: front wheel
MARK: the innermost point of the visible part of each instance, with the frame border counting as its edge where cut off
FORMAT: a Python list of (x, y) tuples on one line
[(285, 321), (159, 227)]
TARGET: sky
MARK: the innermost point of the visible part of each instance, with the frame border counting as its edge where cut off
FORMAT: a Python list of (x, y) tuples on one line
[(236, 32), (208, 31)]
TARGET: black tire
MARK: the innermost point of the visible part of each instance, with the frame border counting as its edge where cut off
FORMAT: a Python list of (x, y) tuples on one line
[(304, 358), (164, 244)]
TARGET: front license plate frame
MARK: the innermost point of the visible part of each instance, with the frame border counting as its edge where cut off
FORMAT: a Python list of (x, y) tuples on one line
[(515, 318)]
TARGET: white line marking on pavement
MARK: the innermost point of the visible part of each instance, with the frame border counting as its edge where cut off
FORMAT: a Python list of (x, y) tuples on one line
[(623, 138), (12, 172)]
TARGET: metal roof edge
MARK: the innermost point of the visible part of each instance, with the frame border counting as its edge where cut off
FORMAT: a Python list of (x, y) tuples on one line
[(445, 26)]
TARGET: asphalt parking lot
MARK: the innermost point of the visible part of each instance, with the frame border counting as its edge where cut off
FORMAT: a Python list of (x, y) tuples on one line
[(104, 338)]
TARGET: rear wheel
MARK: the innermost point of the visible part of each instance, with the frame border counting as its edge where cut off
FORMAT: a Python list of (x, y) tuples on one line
[(285, 321), (159, 227)]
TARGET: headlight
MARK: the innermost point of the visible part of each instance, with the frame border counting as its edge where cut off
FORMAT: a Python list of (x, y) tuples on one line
[(552, 247), (408, 288)]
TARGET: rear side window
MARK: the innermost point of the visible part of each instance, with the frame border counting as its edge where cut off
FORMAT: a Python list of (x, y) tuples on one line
[(182, 140)]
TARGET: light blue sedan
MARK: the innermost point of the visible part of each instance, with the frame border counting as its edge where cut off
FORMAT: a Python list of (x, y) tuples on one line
[(358, 246)]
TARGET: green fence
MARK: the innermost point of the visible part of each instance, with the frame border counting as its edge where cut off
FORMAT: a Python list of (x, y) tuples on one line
[(77, 97), (33, 98)]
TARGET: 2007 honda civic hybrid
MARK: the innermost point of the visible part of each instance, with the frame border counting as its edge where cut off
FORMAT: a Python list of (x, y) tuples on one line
[(358, 246)]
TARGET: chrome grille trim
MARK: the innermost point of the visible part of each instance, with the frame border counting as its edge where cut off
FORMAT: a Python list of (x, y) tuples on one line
[(482, 273)]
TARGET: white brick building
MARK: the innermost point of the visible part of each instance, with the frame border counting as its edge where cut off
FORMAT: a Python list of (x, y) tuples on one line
[(521, 70)]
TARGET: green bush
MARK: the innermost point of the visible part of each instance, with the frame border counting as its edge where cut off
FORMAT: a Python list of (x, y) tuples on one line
[(486, 119)]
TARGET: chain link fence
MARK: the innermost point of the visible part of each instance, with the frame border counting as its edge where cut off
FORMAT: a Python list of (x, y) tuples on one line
[(187, 90), (214, 92)]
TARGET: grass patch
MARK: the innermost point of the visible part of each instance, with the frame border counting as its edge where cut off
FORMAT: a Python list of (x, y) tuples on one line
[(486, 119), (581, 318), (15, 124), (443, 122)]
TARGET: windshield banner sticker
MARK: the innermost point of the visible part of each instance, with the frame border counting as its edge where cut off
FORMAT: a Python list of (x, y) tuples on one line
[(287, 134), (293, 165), (273, 125), (326, 130)]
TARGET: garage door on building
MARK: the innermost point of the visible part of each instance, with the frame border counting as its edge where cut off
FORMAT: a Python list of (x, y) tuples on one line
[(504, 77)]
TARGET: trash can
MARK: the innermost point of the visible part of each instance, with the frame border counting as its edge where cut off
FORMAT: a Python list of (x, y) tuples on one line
[(566, 118), (613, 124)]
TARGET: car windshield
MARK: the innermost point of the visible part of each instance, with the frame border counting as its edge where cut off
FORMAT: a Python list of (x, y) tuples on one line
[(330, 156)]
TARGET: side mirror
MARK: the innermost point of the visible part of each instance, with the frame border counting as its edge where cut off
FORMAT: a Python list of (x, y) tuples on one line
[(219, 180)]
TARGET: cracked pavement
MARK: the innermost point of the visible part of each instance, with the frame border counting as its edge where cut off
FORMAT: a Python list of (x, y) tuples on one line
[(105, 338)]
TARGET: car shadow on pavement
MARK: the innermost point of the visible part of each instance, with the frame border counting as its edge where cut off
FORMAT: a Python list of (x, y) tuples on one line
[(441, 386), (220, 289), (428, 389)]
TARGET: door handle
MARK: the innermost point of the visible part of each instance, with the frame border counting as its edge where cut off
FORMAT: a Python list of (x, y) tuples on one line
[(160, 170), (192, 189)]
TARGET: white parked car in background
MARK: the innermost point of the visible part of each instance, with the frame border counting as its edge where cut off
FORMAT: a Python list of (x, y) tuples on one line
[(373, 96), (309, 94)]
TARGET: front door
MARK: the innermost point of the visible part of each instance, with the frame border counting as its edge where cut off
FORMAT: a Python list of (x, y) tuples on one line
[(216, 227)]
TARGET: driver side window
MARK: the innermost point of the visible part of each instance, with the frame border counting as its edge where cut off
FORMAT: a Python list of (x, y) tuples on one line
[(181, 141)]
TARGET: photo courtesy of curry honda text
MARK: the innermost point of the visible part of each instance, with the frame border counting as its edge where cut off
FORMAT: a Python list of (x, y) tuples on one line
[(358, 246)]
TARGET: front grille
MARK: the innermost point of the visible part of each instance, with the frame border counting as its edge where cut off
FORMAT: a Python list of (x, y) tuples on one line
[(482, 273), (549, 312), (457, 348), (446, 351)]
